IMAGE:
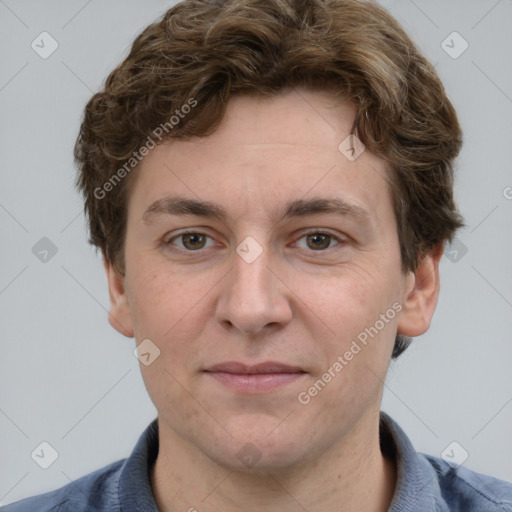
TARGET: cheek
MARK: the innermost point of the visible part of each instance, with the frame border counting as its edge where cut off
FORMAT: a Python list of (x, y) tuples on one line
[(350, 303), (158, 299), (348, 298), (171, 308)]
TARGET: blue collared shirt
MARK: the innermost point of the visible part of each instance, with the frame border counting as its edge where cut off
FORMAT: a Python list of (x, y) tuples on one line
[(424, 483)]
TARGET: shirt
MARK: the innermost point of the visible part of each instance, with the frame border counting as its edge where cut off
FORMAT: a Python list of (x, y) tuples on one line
[(424, 483)]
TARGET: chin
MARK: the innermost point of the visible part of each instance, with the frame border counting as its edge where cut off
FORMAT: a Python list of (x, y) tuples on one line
[(259, 445), (250, 459)]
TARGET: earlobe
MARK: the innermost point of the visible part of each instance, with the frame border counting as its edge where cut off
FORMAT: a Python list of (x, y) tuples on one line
[(119, 315), (421, 295)]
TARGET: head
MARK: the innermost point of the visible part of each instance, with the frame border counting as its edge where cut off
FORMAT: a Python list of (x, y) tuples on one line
[(247, 107)]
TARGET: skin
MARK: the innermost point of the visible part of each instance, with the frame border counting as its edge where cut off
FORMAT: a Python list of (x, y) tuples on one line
[(295, 304)]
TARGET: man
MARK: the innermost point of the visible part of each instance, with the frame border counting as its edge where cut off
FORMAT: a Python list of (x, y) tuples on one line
[(270, 184)]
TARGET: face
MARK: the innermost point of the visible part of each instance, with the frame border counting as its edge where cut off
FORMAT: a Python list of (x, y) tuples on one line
[(275, 306)]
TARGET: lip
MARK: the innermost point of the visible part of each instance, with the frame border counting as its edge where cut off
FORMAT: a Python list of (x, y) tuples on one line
[(258, 378), (266, 367)]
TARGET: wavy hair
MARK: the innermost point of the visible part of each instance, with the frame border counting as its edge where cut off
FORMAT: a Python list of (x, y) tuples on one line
[(212, 50)]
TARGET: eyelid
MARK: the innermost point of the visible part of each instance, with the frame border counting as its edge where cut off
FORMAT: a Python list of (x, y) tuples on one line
[(167, 241), (323, 231)]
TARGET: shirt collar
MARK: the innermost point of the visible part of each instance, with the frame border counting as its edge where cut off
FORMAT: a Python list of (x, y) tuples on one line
[(135, 493), (417, 482)]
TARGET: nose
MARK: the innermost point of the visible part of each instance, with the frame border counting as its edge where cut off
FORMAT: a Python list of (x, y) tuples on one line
[(254, 297)]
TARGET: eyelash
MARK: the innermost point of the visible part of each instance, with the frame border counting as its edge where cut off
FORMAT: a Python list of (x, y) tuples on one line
[(169, 242)]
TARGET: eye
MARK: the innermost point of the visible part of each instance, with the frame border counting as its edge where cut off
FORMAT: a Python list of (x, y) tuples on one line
[(318, 241), (190, 241)]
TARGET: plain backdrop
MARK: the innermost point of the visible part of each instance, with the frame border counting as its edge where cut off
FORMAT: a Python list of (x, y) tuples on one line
[(68, 379)]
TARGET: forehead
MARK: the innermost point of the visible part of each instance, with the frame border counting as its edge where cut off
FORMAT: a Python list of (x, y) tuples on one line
[(316, 116), (266, 152)]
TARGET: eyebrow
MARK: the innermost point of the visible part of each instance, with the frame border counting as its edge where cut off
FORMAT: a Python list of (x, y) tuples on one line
[(176, 205)]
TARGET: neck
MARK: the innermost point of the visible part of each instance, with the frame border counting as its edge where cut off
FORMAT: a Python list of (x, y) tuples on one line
[(348, 477)]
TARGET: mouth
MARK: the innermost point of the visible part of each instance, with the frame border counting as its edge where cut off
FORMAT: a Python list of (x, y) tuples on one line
[(259, 378)]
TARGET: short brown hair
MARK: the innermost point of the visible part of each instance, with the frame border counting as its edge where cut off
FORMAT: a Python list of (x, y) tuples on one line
[(207, 51)]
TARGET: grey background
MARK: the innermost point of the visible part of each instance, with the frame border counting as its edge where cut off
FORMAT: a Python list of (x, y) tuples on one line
[(66, 377)]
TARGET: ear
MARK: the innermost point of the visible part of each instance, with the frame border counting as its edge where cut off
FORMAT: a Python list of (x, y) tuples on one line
[(421, 295), (119, 316)]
